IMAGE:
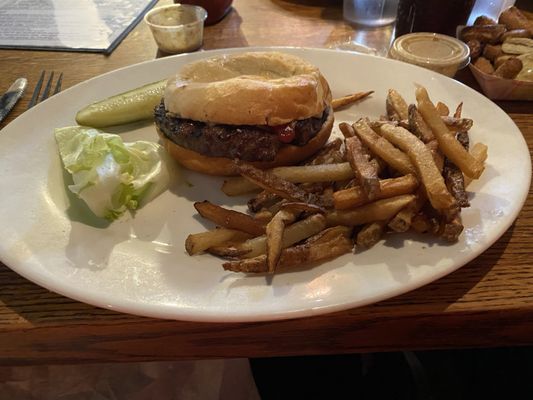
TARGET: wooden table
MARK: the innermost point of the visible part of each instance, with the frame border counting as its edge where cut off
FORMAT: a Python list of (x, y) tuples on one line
[(488, 302)]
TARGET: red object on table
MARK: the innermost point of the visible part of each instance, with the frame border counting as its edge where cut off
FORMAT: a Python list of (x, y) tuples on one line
[(216, 9)]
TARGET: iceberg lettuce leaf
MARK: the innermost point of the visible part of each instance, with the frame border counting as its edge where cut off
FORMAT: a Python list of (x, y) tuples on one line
[(109, 175)]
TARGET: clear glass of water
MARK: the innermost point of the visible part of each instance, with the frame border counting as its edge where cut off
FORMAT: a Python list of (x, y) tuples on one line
[(370, 13)]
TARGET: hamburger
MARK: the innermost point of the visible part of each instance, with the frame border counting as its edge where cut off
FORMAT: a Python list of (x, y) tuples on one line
[(265, 108)]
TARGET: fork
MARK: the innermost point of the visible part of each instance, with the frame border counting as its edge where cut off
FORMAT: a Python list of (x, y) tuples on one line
[(46, 93)]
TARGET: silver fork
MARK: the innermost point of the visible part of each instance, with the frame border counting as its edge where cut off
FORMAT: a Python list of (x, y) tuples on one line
[(46, 92)]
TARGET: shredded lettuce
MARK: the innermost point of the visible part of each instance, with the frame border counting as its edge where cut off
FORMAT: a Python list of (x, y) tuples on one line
[(109, 175)]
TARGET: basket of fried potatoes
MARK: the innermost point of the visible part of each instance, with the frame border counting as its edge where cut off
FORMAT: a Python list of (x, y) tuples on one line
[(407, 171), (501, 54)]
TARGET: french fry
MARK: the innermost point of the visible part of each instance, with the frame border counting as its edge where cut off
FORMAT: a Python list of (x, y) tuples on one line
[(349, 99), (298, 207), (428, 172), (370, 234), (418, 126), (379, 210), (199, 242), (263, 199), (299, 255), (274, 237), (275, 184), (442, 109), (458, 124), (480, 152), (395, 106), (294, 233), (450, 231), (365, 172), (355, 196), (329, 154), (295, 174), (454, 179), (229, 219), (401, 222), (433, 147), (263, 216), (397, 159), (447, 142), (347, 130), (330, 233)]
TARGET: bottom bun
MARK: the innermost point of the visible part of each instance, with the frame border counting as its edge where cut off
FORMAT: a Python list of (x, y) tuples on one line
[(287, 154)]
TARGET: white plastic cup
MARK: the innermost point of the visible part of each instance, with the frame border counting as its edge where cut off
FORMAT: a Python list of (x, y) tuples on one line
[(371, 13)]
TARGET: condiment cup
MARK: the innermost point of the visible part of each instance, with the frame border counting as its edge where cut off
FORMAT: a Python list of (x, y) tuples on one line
[(440, 53), (177, 28)]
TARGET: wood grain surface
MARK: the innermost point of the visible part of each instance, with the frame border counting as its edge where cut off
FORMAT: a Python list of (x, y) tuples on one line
[(488, 302)]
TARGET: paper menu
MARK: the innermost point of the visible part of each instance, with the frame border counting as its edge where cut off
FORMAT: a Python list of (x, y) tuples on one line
[(71, 25)]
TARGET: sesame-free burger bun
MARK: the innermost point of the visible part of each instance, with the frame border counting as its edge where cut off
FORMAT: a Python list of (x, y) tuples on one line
[(254, 88)]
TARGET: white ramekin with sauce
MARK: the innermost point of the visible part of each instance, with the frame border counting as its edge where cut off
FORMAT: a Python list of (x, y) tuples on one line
[(440, 53)]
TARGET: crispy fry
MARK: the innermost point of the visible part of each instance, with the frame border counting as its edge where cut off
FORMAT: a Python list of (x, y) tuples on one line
[(296, 256), (199, 242), (275, 184), (401, 222), (365, 172), (370, 234), (379, 210), (263, 199), (433, 147), (347, 130), (263, 216), (355, 196), (459, 110), (396, 106), (418, 126), (450, 231), (274, 237), (330, 233), (295, 174), (384, 149), (454, 179), (349, 99), (229, 219), (447, 142), (329, 154), (428, 172), (256, 246), (458, 124), (442, 109), (298, 207), (480, 152)]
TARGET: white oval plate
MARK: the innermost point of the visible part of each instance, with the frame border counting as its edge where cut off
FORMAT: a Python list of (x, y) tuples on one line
[(139, 265)]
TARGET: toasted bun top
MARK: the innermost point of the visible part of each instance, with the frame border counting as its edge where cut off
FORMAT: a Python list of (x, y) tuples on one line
[(260, 88)]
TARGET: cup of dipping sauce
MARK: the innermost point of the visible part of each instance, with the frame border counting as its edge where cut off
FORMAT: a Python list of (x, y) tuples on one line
[(177, 28), (440, 53)]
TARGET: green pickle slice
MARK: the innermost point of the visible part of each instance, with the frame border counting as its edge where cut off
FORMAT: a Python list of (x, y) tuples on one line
[(131, 106)]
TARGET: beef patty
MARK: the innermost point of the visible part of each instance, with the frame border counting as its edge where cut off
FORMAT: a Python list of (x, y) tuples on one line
[(245, 142)]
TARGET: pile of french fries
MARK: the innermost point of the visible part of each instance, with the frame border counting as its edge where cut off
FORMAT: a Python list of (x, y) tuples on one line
[(406, 171)]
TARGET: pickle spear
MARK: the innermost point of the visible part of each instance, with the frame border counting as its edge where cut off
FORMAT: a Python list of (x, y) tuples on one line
[(131, 106)]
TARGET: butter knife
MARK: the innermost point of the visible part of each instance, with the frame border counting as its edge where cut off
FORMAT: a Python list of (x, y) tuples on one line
[(10, 98)]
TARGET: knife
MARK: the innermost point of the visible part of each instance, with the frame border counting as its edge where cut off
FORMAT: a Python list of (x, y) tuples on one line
[(10, 98)]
